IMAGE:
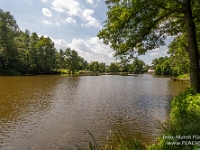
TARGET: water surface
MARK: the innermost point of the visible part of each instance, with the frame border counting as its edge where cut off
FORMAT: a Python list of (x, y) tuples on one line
[(56, 112)]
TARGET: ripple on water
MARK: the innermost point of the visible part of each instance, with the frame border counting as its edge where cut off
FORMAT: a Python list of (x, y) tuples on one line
[(55, 112)]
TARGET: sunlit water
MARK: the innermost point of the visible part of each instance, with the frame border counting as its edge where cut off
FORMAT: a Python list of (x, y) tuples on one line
[(57, 112)]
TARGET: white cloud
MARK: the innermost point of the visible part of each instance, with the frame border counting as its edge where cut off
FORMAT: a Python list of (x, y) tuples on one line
[(91, 49), (72, 7), (91, 21), (47, 22), (46, 12), (154, 54), (44, 0), (70, 20), (90, 1), (165, 52), (156, 49), (98, 46), (60, 44)]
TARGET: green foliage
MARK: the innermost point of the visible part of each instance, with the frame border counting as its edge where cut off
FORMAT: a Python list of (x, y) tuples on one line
[(138, 26), (130, 144), (137, 66), (124, 64), (114, 67), (93, 66), (102, 67), (72, 60), (46, 55), (8, 50), (183, 76), (83, 64), (162, 66), (26, 53), (184, 121), (179, 60)]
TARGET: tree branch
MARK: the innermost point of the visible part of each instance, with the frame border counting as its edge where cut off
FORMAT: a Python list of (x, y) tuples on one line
[(172, 10), (179, 2)]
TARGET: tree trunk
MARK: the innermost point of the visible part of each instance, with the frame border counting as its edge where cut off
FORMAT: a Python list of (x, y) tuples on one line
[(192, 46)]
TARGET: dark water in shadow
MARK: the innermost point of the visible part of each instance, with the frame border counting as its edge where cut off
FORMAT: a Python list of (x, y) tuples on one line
[(55, 112)]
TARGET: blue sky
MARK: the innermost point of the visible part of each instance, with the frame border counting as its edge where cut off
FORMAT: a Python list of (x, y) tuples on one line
[(70, 23)]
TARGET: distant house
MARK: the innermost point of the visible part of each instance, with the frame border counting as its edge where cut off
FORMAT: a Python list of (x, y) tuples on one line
[(150, 70)]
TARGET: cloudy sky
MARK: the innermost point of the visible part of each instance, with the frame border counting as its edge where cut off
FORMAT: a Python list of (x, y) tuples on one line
[(69, 23)]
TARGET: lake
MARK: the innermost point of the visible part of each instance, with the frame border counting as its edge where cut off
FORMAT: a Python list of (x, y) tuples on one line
[(59, 112)]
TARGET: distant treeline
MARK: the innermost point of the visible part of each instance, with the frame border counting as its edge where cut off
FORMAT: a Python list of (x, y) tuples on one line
[(22, 52)]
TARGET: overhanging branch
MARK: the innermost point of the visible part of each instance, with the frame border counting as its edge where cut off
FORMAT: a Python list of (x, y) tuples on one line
[(172, 10)]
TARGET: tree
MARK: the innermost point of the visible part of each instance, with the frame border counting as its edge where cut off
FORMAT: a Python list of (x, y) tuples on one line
[(124, 64), (114, 67), (83, 64), (102, 67), (61, 64), (162, 66), (22, 43), (138, 26), (8, 50), (179, 60), (72, 60), (137, 66), (46, 55), (94, 66), (33, 50)]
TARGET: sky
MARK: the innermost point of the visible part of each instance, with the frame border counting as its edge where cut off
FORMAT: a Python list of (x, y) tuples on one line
[(71, 23)]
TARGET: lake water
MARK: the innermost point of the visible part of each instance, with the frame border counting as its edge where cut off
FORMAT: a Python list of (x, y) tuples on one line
[(59, 112)]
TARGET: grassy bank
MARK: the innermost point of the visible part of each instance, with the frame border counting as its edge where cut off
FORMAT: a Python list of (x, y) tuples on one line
[(67, 72), (183, 76), (180, 132)]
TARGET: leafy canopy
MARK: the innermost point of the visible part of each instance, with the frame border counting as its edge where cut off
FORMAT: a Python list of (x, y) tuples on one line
[(137, 26)]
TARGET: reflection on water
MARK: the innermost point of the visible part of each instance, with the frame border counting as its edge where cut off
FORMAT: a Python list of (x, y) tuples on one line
[(55, 112)]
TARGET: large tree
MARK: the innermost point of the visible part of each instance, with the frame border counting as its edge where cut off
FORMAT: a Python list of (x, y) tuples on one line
[(22, 43), (93, 66), (72, 60), (178, 50), (8, 50), (33, 50), (140, 25), (137, 66), (46, 55)]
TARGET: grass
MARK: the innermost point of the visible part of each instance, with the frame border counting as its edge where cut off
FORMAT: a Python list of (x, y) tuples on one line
[(119, 139), (183, 76), (66, 71)]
